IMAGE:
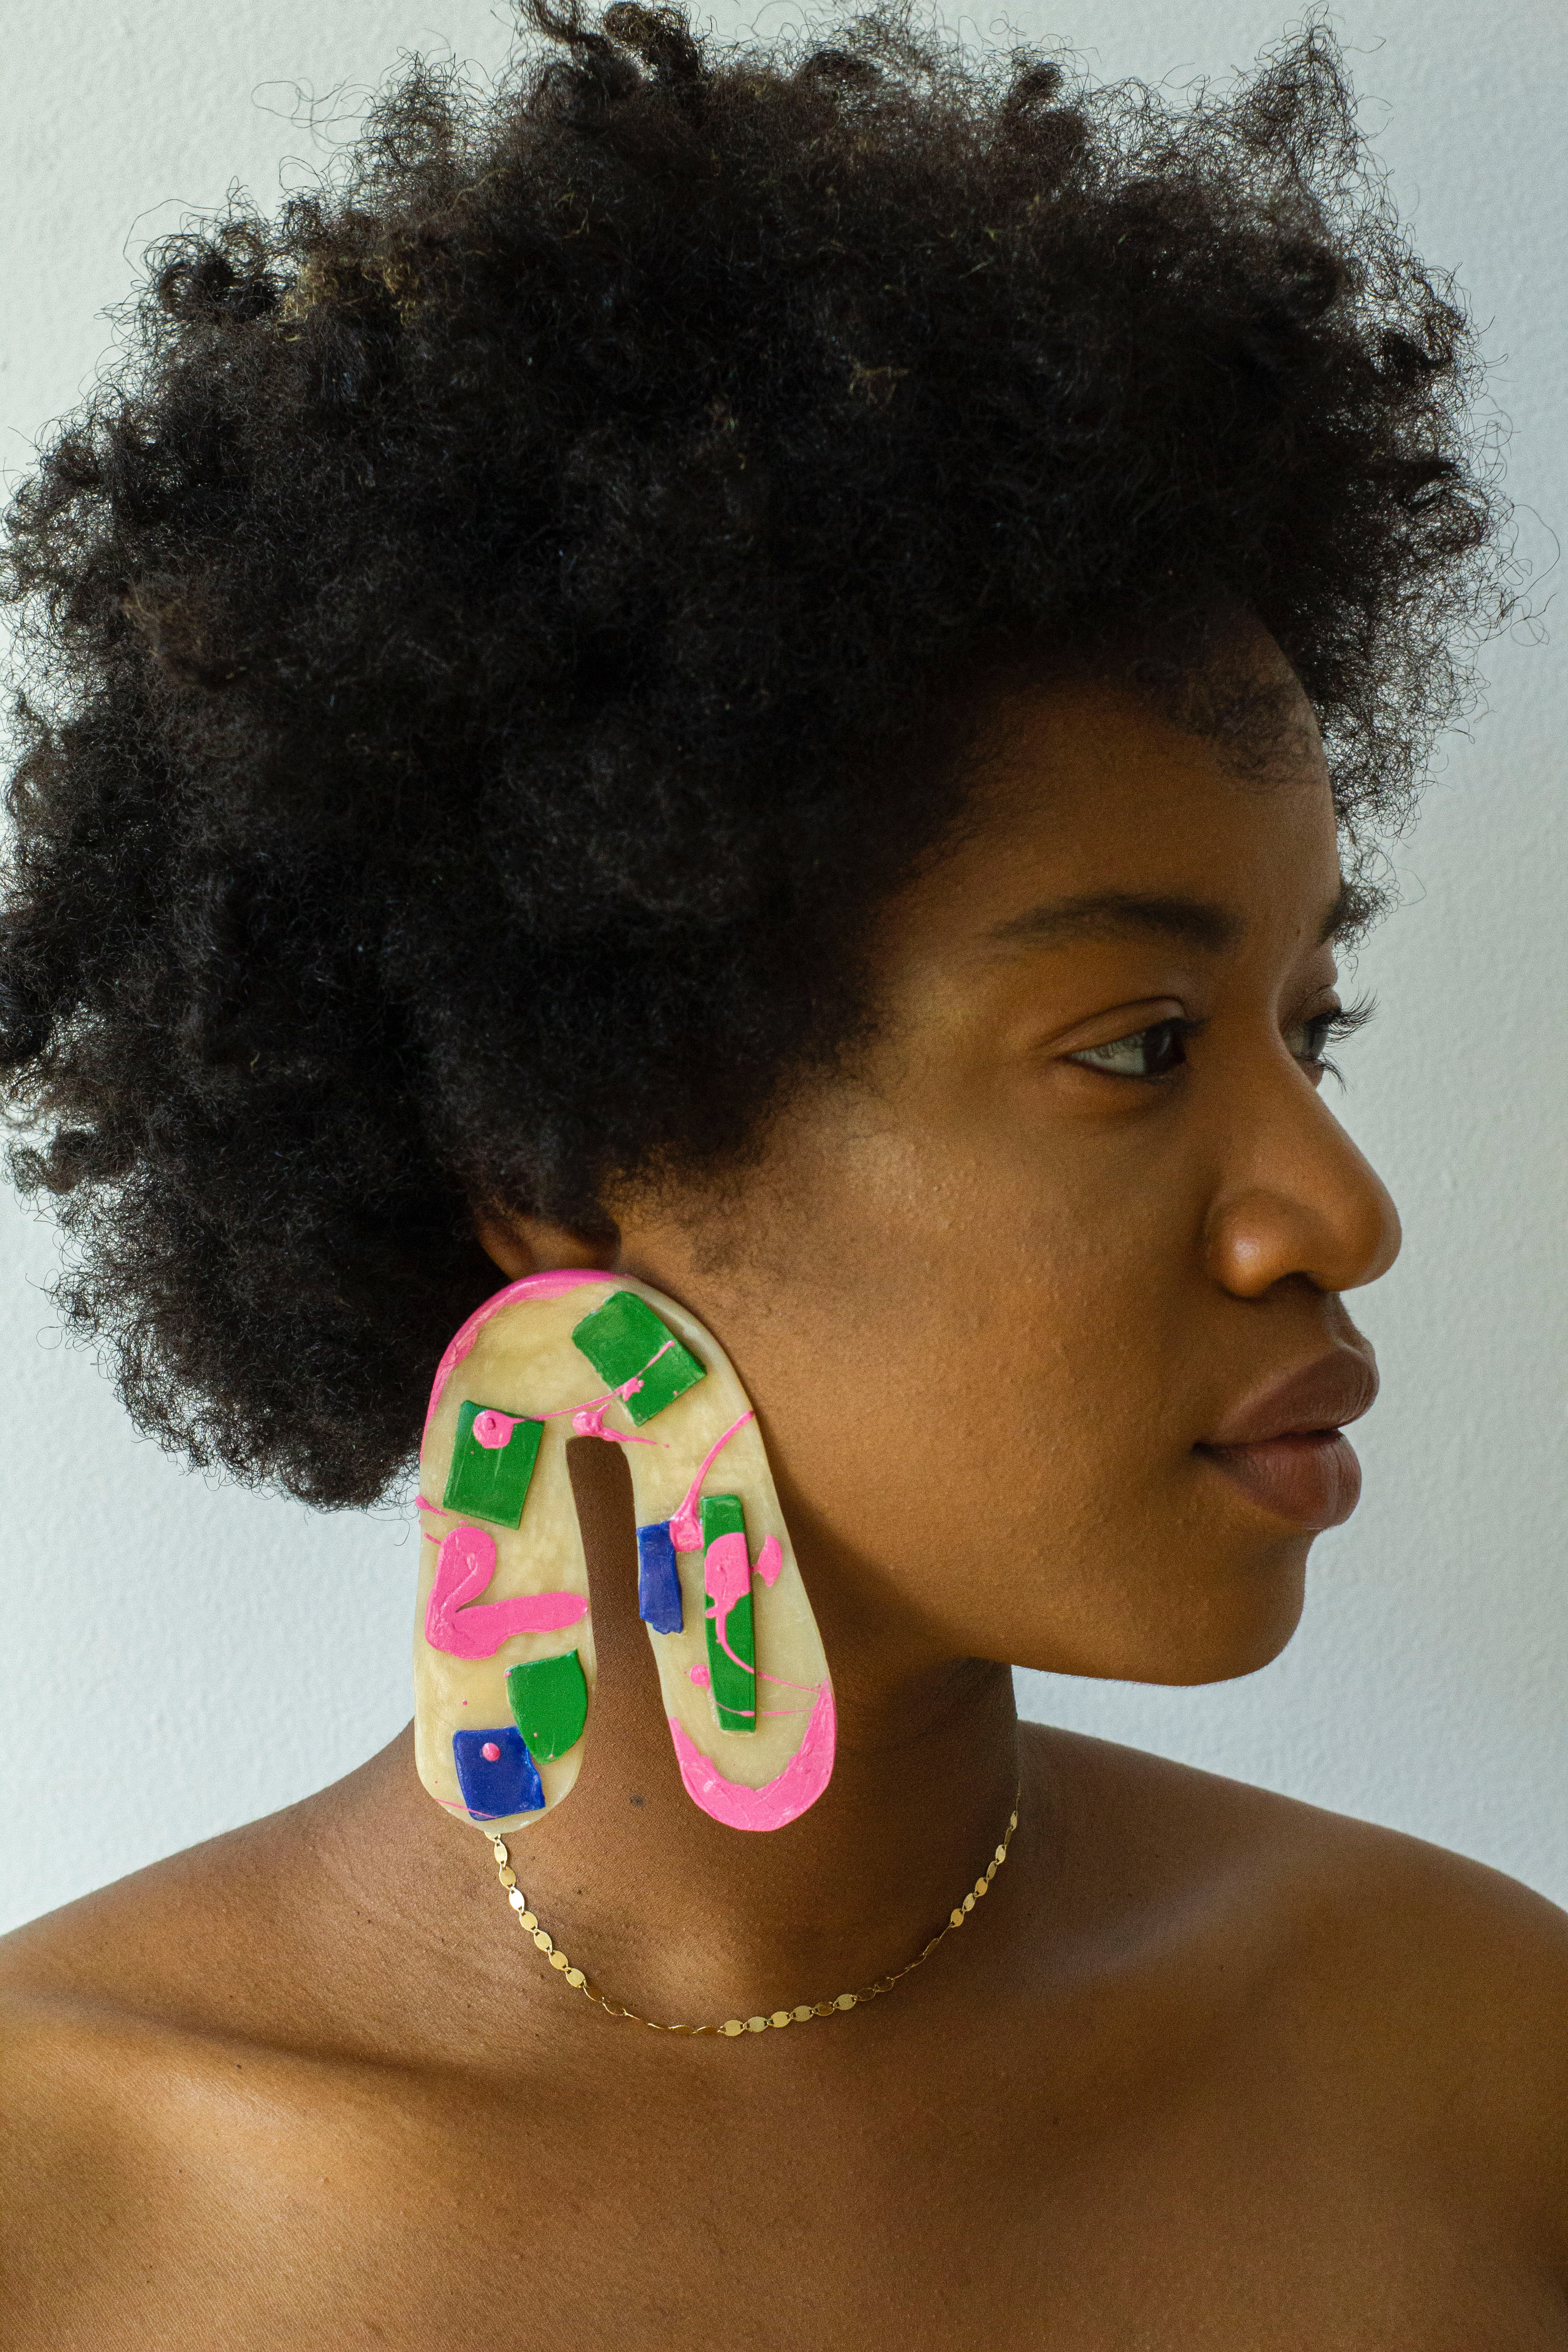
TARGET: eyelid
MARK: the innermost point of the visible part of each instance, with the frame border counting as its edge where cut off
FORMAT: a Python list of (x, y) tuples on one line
[(1130, 1020), (1183, 1025)]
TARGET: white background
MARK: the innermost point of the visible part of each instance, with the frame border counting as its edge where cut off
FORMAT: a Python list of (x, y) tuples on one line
[(174, 1650)]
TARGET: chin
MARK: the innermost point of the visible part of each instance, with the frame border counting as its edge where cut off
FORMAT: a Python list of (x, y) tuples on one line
[(1238, 1636), (1205, 1631)]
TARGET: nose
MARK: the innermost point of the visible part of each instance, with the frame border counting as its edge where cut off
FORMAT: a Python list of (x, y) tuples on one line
[(1300, 1200)]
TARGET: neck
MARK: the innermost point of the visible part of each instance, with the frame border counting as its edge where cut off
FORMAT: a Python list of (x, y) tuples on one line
[(666, 1909)]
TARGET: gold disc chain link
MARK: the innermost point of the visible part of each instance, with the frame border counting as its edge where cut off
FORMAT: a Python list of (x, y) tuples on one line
[(802, 2013)]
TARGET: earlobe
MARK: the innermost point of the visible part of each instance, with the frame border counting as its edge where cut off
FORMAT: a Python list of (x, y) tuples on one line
[(524, 1245)]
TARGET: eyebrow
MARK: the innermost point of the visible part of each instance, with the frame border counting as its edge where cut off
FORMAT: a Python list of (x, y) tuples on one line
[(1123, 915), (1127, 914)]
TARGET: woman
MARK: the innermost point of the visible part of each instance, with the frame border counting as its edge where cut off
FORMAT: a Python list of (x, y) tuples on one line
[(768, 679)]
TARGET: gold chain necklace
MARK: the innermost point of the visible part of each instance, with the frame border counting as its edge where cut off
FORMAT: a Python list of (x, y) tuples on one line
[(802, 2014)]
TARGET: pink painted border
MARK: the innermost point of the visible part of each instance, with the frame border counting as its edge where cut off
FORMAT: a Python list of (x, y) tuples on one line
[(552, 1285), (783, 1800)]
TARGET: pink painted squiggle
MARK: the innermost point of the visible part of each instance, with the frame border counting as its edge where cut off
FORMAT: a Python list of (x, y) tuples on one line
[(686, 1527), (726, 1579), (770, 1560), (458, 1621), (588, 1421), (779, 1801), (726, 1573), (630, 1387), (704, 1681), (493, 1430)]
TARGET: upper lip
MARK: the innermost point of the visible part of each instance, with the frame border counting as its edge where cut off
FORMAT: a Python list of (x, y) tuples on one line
[(1331, 1390)]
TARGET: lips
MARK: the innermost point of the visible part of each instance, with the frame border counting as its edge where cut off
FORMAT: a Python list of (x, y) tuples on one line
[(1284, 1448)]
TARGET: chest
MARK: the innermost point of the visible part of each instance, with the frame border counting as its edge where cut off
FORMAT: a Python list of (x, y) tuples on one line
[(879, 2206)]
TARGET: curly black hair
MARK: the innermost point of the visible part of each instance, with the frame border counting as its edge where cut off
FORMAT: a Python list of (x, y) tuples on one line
[(485, 639)]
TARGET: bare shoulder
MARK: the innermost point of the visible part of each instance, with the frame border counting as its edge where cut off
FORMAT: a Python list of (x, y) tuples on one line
[(188, 1944), (1184, 1809), (270, 1939), (1351, 1900), (188, 1953), (142, 2030), (188, 2056), (271, 1935), (1442, 1980), (109, 2022)]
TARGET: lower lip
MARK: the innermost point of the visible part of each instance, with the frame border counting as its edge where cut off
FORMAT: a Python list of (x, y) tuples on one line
[(1313, 1479)]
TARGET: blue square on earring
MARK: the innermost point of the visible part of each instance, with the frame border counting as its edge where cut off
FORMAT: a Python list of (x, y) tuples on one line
[(496, 1773), (659, 1580)]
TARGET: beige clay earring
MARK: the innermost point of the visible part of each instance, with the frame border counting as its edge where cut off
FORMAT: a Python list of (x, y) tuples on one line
[(503, 1659)]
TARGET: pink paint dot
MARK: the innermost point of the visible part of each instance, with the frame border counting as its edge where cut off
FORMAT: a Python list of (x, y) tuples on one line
[(492, 1430), (701, 1676), (491, 1752)]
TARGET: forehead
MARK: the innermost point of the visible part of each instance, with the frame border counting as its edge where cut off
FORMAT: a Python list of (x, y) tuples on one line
[(1087, 789)]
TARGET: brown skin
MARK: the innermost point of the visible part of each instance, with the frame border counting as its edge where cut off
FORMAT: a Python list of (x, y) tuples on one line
[(1206, 2068)]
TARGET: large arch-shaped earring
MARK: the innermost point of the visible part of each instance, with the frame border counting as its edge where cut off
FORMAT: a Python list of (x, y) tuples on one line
[(504, 1657)]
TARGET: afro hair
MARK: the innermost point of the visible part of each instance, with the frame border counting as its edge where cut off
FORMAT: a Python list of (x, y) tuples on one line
[(484, 642)]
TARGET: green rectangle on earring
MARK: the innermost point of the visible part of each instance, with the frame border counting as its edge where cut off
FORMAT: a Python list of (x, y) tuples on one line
[(625, 1341), (732, 1678), (492, 1482), (549, 1703), (722, 1514)]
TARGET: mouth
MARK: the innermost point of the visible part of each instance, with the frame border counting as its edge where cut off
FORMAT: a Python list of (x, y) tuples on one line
[(1311, 1478), (1286, 1448)]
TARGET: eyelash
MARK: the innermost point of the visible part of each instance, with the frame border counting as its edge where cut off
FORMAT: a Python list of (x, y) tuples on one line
[(1330, 1028), (1335, 1027)]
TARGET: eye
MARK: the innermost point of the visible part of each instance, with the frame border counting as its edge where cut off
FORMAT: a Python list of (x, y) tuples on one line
[(1152, 1053), (1310, 1039)]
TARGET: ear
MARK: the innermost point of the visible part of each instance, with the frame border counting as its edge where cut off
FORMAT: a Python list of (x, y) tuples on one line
[(525, 1246)]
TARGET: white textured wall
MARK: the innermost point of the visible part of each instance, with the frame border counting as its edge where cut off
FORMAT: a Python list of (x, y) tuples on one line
[(171, 1649)]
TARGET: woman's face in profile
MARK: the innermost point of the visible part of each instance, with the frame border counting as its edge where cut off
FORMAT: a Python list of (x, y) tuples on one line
[(1080, 1209)]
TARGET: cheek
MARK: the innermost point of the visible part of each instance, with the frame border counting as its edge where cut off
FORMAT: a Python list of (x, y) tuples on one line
[(1007, 1469), (963, 1376), (980, 1393)]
